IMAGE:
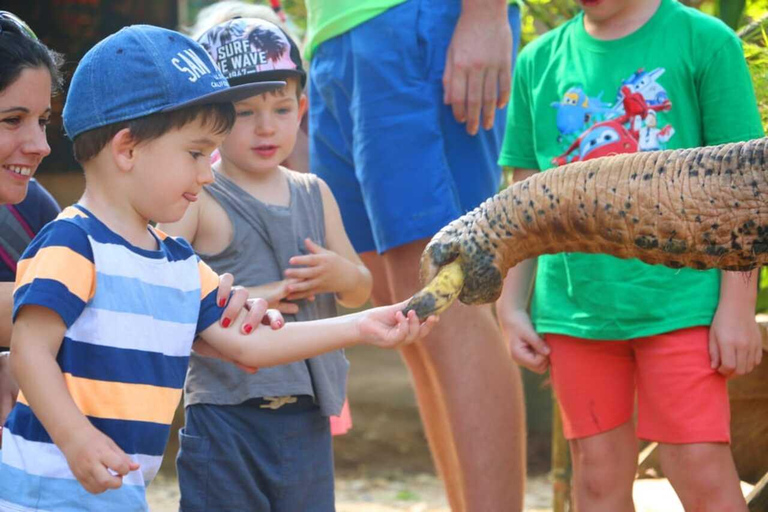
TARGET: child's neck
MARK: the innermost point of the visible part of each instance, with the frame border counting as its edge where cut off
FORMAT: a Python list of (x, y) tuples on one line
[(269, 187), (623, 23), (118, 215)]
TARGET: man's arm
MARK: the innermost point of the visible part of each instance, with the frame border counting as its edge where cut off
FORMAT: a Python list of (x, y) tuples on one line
[(478, 67), (37, 336)]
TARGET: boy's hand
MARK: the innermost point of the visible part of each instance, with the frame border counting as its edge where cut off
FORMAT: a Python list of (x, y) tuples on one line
[(322, 271), (387, 327), (238, 301), (735, 345), (96, 461), (9, 389), (258, 310), (525, 346), (276, 294)]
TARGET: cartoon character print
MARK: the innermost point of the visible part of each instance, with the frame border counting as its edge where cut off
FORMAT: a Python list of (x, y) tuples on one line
[(575, 110), (631, 125)]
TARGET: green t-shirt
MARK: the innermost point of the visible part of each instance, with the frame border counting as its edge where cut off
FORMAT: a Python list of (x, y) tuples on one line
[(689, 72), (330, 18)]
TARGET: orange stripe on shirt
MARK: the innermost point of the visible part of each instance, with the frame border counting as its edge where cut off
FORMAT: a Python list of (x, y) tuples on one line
[(71, 212), (122, 401), (62, 264), (209, 280)]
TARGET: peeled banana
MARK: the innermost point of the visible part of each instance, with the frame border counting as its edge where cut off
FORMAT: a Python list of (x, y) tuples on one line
[(440, 293)]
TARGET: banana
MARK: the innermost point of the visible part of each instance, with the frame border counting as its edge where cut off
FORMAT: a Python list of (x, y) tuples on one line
[(439, 293)]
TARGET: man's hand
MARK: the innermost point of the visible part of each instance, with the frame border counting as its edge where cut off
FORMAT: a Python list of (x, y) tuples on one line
[(9, 389), (735, 345), (525, 346), (321, 271), (478, 69), (96, 461)]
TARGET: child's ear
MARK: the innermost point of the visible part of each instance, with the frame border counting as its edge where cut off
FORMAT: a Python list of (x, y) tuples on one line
[(303, 104), (123, 149)]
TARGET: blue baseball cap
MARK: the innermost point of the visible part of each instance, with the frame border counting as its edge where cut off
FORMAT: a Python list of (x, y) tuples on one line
[(143, 70)]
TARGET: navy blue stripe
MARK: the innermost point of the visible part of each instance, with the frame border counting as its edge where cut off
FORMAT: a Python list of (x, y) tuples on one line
[(121, 364), (51, 294), (171, 248), (131, 436), (61, 233), (210, 312)]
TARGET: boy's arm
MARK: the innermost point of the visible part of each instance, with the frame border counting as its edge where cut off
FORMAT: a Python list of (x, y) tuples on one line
[(384, 327), (735, 344), (37, 336), (337, 268), (526, 347)]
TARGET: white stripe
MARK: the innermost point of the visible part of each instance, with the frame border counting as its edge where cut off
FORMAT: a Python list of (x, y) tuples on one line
[(118, 260), (131, 331), (6, 506), (46, 460)]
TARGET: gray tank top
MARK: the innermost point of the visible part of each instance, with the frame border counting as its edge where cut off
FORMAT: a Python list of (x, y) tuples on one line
[(265, 238)]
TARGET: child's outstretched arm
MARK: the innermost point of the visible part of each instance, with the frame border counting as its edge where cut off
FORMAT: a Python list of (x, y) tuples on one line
[(37, 336), (383, 327), (735, 345), (334, 269)]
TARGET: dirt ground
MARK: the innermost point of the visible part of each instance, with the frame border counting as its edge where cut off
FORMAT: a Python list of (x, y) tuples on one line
[(383, 464)]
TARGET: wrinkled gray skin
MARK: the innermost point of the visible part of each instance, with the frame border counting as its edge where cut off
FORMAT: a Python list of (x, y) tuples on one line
[(701, 208)]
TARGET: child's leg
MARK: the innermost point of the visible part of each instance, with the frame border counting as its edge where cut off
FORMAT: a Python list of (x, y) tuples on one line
[(595, 385), (704, 476), (683, 404), (247, 457), (604, 467)]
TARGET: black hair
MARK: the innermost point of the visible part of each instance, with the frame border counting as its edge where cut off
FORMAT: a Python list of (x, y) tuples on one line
[(220, 117), (18, 52)]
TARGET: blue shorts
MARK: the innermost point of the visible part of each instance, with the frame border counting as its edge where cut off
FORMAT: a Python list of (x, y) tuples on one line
[(247, 458), (398, 163)]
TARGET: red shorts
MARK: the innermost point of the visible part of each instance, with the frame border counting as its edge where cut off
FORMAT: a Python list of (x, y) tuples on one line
[(680, 398)]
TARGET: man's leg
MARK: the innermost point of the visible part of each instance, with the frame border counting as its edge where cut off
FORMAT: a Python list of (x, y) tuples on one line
[(431, 406), (463, 363)]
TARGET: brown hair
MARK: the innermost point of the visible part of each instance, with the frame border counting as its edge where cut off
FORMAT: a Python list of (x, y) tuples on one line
[(219, 116)]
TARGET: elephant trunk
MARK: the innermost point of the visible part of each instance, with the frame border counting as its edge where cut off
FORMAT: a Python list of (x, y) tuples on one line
[(701, 208)]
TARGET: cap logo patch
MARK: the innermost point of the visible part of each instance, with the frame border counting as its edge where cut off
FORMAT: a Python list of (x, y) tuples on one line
[(187, 61)]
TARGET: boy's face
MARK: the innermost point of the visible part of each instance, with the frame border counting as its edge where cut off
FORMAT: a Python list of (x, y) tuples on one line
[(603, 10), (170, 171), (25, 107), (265, 130)]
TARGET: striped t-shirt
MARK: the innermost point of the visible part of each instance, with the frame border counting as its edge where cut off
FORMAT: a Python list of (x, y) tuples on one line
[(131, 316)]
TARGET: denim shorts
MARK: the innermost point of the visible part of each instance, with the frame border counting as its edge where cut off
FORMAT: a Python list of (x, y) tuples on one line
[(253, 459), (396, 160)]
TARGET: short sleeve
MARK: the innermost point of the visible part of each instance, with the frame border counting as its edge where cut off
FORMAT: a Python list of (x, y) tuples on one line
[(56, 271), (727, 99), (518, 149), (210, 312)]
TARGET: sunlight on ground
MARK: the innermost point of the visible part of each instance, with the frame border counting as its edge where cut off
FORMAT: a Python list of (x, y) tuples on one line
[(423, 493)]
